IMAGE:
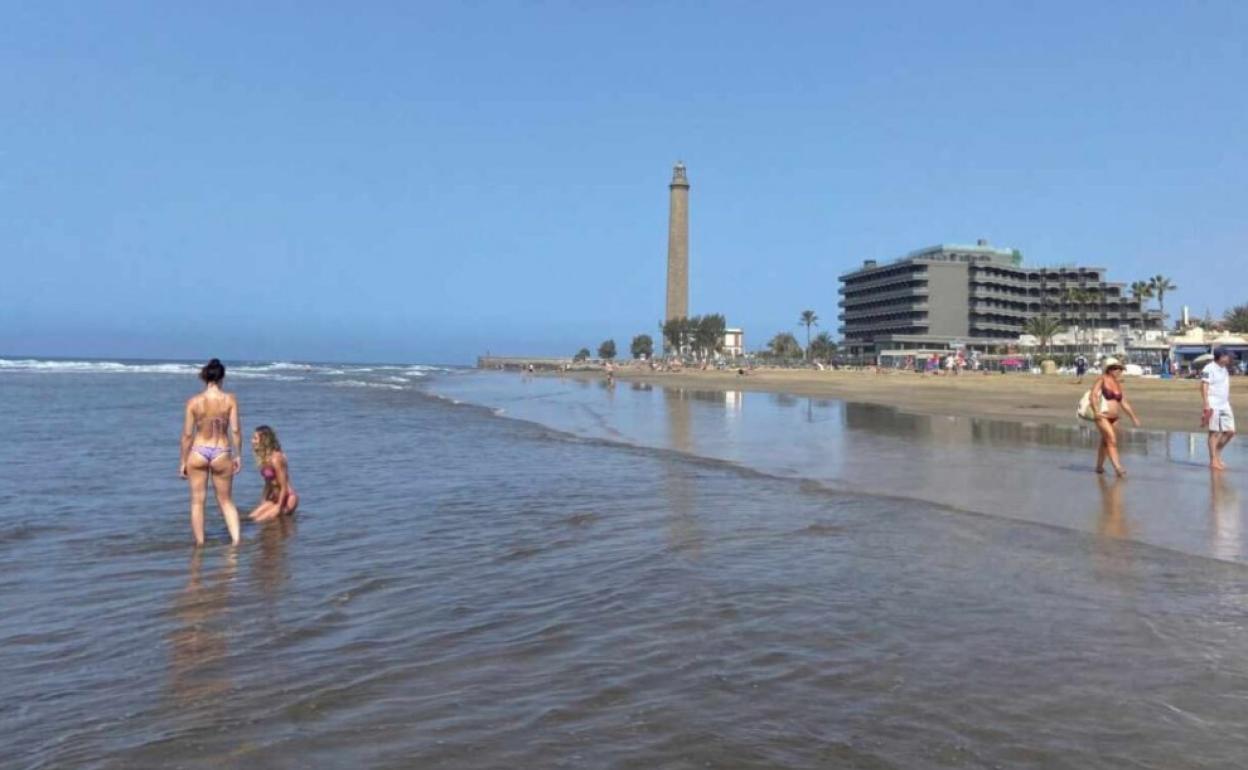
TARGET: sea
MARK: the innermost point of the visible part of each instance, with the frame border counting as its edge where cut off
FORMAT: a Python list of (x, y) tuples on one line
[(490, 570)]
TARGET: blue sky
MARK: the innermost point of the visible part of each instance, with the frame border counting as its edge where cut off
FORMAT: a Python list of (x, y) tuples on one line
[(425, 182)]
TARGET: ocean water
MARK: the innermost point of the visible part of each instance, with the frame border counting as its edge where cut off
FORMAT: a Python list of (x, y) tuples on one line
[(594, 582)]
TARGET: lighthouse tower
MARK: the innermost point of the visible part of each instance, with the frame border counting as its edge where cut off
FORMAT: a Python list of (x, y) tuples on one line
[(678, 245)]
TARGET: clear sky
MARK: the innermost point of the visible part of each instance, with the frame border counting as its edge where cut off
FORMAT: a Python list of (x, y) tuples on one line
[(427, 181)]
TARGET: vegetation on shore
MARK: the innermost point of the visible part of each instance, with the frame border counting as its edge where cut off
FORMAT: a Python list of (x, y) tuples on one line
[(1236, 319), (642, 346), (700, 335), (808, 319)]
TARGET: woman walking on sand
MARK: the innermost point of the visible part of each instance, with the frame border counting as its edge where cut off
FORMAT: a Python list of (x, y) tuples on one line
[(279, 496), (1108, 400), (209, 429)]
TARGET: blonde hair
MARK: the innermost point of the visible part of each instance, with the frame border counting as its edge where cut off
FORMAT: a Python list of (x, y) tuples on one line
[(268, 444)]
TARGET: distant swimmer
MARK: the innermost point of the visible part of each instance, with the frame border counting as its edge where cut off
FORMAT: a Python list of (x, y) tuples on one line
[(1108, 400), (210, 427), (279, 496)]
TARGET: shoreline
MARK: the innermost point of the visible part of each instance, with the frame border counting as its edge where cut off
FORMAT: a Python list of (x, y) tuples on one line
[(1167, 405)]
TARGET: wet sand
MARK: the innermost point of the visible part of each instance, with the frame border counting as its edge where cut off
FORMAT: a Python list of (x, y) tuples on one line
[(1169, 405), (1031, 470)]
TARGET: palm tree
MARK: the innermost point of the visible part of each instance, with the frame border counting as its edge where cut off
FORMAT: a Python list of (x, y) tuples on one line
[(1044, 329), (1080, 299), (1048, 299), (822, 346), (808, 320), (1141, 291), (784, 345), (1160, 285), (1096, 297), (1236, 319)]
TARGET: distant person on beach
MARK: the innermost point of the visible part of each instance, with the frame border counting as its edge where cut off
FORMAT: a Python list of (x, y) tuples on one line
[(1081, 368), (210, 427), (1215, 393), (1108, 401), (279, 496)]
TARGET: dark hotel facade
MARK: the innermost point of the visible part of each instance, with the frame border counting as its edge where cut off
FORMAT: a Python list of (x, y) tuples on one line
[(974, 296)]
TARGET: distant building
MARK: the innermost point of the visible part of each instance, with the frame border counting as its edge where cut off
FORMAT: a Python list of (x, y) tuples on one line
[(734, 342), (975, 296)]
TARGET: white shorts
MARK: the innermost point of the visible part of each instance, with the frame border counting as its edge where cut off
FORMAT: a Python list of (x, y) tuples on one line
[(1222, 421)]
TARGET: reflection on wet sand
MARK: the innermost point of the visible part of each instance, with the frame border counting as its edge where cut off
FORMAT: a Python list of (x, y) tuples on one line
[(1226, 517), (1024, 471), (679, 486), (1113, 553), (1112, 523), (888, 420), (269, 569), (784, 399), (197, 646)]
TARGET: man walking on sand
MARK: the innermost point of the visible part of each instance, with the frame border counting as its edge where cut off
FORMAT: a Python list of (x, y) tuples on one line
[(1215, 391)]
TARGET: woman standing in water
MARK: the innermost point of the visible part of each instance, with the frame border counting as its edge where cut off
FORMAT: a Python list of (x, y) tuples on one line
[(278, 497), (1108, 401), (210, 427)]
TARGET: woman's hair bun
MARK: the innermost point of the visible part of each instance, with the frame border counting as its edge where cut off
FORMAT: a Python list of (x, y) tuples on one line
[(213, 371)]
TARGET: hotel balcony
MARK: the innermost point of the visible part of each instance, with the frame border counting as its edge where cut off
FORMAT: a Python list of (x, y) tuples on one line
[(910, 309), (918, 290), (978, 292), (908, 276), (982, 324), (868, 327), (983, 309), (984, 277)]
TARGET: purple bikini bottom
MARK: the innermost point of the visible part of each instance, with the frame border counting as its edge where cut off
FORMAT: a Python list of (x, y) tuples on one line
[(211, 453)]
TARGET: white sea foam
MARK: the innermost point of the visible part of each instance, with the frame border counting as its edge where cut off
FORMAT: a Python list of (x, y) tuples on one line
[(365, 384), (243, 374), (92, 367), (278, 365), (282, 371)]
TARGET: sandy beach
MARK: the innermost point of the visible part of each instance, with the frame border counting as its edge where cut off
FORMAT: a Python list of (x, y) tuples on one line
[(1172, 405)]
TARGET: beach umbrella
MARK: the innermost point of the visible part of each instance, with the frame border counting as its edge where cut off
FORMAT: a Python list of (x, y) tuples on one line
[(1201, 360)]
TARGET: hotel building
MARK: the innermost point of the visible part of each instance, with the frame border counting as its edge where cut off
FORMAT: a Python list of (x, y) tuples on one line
[(977, 296)]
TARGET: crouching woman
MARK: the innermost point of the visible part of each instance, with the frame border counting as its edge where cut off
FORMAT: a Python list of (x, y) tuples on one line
[(279, 497)]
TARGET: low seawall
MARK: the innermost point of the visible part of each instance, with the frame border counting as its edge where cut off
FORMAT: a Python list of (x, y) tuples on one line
[(522, 363)]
